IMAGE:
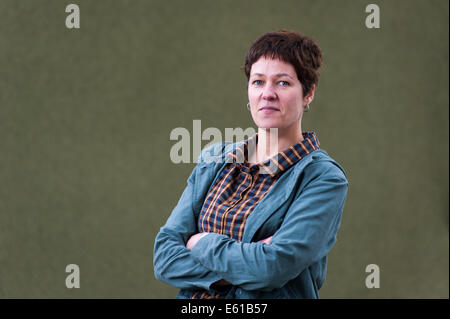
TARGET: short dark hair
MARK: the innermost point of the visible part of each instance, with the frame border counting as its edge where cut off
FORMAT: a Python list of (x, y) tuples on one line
[(291, 47)]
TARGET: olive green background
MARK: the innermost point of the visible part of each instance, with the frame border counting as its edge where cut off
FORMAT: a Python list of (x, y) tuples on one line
[(85, 118)]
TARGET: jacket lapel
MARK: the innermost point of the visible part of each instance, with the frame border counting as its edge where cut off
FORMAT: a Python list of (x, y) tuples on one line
[(276, 197)]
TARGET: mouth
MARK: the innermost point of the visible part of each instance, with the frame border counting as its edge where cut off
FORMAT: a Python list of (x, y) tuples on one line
[(269, 108)]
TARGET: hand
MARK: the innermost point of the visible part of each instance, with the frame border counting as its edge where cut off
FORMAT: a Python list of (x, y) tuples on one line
[(266, 240), (194, 239)]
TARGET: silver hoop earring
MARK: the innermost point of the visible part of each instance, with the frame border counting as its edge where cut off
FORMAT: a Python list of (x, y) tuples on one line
[(307, 108), (248, 106)]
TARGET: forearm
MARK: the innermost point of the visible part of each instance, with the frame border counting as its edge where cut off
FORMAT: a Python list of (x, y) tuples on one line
[(193, 240), (240, 264)]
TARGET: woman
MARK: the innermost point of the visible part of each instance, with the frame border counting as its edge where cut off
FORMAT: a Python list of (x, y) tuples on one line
[(241, 228)]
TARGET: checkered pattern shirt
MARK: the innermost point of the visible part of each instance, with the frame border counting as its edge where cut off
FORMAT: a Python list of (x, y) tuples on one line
[(242, 185)]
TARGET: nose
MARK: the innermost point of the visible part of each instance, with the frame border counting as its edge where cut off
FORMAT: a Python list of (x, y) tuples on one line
[(269, 93)]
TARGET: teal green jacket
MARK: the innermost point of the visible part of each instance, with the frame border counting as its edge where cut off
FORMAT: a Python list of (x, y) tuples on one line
[(302, 211)]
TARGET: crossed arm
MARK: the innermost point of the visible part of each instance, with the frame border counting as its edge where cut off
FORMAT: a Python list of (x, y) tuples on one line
[(186, 259), (195, 238)]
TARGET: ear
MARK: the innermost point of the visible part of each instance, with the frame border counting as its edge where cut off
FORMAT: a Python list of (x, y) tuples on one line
[(310, 97)]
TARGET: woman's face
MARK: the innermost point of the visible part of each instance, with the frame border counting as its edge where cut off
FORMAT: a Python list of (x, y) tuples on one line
[(275, 94)]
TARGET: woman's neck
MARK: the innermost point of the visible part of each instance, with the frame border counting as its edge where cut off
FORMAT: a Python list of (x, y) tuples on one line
[(273, 141)]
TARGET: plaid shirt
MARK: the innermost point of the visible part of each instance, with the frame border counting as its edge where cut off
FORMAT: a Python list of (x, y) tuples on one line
[(242, 185)]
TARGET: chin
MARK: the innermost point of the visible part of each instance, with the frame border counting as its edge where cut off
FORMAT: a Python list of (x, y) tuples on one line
[(268, 123)]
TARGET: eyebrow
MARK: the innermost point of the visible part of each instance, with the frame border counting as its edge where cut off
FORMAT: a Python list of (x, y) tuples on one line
[(278, 75)]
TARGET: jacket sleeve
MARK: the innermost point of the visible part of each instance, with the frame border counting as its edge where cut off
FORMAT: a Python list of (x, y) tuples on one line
[(305, 236), (172, 261)]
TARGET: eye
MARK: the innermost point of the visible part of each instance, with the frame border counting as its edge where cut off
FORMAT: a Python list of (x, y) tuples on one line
[(257, 82), (284, 83)]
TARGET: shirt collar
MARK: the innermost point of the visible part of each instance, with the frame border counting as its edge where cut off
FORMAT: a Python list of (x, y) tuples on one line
[(279, 162)]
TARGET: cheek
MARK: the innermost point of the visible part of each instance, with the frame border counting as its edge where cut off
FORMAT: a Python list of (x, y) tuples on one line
[(293, 103), (251, 94)]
